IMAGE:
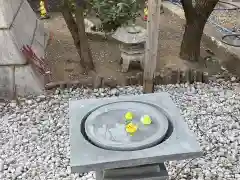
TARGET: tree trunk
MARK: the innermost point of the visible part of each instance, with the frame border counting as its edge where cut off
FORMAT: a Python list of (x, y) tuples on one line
[(196, 17), (190, 46), (84, 45), (78, 34)]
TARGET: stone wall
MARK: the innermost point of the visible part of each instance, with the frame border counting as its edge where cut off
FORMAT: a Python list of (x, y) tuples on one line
[(19, 26)]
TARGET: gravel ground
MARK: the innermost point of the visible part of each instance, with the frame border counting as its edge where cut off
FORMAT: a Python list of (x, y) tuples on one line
[(34, 136), (225, 18)]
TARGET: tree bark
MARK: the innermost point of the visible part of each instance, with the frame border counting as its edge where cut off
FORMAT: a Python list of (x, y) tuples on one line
[(77, 30), (84, 45), (196, 17), (190, 46)]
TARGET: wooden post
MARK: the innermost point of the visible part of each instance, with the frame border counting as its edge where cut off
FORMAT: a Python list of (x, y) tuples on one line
[(46, 5), (151, 54)]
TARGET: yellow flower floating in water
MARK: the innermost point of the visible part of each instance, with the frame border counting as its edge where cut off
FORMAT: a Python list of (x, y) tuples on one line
[(131, 128), (146, 120), (129, 116)]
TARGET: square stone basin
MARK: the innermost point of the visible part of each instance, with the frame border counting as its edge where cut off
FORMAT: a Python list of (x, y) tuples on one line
[(93, 150)]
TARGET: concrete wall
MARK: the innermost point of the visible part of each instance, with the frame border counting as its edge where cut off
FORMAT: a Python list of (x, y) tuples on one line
[(19, 26)]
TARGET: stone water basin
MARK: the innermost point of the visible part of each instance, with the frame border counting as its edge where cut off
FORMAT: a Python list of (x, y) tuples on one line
[(105, 126), (99, 142)]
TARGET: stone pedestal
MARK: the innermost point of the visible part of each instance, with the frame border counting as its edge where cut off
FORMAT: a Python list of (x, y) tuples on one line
[(19, 27), (145, 172), (132, 53), (99, 141)]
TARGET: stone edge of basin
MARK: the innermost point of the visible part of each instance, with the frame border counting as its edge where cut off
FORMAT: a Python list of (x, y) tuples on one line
[(84, 156)]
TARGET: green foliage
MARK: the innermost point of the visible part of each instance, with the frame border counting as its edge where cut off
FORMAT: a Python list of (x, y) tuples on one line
[(72, 5), (114, 13)]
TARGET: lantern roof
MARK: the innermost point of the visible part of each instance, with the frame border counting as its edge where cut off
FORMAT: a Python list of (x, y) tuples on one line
[(130, 34)]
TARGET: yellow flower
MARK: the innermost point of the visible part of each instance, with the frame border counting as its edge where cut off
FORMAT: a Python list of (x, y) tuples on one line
[(129, 116), (131, 128), (146, 120), (42, 9), (145, 11), (41, 3)]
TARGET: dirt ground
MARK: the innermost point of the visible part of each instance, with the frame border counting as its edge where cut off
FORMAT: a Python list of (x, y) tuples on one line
[(64, 60)]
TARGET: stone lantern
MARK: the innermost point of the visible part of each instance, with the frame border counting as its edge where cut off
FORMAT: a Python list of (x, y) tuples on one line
[(132, 45)]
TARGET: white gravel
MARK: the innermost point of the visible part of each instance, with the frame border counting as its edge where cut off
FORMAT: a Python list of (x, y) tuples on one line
[(34, 137)]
